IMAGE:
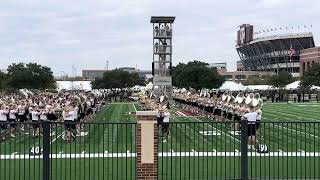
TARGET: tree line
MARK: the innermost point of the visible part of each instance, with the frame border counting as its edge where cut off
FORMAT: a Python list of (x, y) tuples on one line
[(194, 74), (30, 76)]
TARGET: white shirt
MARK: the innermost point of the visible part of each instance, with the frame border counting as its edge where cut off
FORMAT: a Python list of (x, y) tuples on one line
[(3, 115), (166, 117), (259, 116), (69, 116), (43, 116), (251, 117), (12, 114), (35, 115), (21, 110)]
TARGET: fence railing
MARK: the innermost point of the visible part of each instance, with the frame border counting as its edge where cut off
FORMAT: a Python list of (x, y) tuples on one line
[(191, 150), (221, 150), (98, 151)]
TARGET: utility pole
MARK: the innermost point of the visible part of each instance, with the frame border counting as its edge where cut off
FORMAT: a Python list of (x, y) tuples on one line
[(107, 63)]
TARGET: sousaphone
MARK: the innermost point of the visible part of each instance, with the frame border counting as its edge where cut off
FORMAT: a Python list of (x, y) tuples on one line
[(224, 96), (249, 98), (240, 98), (257, 101)]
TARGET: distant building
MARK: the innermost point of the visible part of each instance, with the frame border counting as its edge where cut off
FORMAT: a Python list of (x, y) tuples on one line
[(128, 69), (238, 76), (240, 66), (221, 67), (278, 52), (144, 74), (308, 57), (93, 74), (90, 74)]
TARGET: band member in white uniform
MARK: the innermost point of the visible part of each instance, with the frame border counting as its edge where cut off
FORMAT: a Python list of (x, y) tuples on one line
[(4, 111), (69, 115), (251, 116), (13, 118), (166, 123), (35, 116)]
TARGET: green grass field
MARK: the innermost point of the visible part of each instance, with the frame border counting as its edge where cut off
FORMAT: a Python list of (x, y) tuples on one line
[(197, 148)]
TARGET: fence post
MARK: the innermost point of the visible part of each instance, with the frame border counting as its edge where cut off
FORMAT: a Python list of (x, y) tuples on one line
[(147, 145), (244, 150), (46, 150)]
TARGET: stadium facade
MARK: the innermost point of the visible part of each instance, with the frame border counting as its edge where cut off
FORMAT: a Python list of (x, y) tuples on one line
[(272, 53)]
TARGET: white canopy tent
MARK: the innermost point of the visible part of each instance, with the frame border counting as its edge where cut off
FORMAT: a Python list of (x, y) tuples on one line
[(232, 86), (74, 85), (294, 85), (258, 87)]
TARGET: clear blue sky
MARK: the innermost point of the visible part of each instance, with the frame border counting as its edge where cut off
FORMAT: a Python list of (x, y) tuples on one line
[(86, 33)]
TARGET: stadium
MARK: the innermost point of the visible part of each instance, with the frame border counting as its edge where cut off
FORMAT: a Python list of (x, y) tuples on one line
[(274, 53)]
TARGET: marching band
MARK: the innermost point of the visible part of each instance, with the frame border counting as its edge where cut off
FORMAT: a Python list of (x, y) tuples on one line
[(225, 108), (40, 106)]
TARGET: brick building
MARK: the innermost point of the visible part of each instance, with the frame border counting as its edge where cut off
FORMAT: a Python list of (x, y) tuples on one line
[(308, 57)]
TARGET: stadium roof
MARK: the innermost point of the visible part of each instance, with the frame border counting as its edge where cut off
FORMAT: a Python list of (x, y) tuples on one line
[(283, 36), (281, 42), (162, 19)]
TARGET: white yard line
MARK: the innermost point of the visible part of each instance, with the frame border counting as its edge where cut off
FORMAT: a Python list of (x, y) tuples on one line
[(135, 109), (57, 138), (162, 154), (282, 127), (218, 130)]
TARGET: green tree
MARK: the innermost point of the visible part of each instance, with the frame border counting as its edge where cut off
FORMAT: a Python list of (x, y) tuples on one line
[(256, 81), (311, 77), (281, 79), (117, 79), (30, 76), (197, 75), (2, 80)]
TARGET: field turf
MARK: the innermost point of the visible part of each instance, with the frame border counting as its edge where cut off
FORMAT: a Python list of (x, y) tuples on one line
[(197, 148)]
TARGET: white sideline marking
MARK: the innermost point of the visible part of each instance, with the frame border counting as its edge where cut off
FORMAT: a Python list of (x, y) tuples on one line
[(163, 154), (56, 138), (210, 133), (302, 105)]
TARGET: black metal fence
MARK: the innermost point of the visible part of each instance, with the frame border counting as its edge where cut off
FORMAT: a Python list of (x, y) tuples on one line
[(222, 150), (98, 151), (191, 150)]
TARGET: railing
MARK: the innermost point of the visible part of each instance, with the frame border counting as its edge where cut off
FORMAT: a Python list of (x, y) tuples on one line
[(99, 151), (192, 150), (216, 150)]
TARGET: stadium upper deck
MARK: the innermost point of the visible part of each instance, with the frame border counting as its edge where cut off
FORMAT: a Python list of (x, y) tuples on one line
[(272, 53)]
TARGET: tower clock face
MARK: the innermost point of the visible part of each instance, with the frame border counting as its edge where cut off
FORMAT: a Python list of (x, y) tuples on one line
[(242, 34)]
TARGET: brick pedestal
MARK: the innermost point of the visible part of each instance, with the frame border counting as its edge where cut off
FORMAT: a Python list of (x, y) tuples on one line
[(147, 145)]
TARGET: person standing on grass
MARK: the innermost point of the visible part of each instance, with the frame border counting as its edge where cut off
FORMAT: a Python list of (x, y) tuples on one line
[(22, 114), (166, 123), (4, 111), (35, 116), (259, 118), (251, 117), (68, 116), (13, 118)]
